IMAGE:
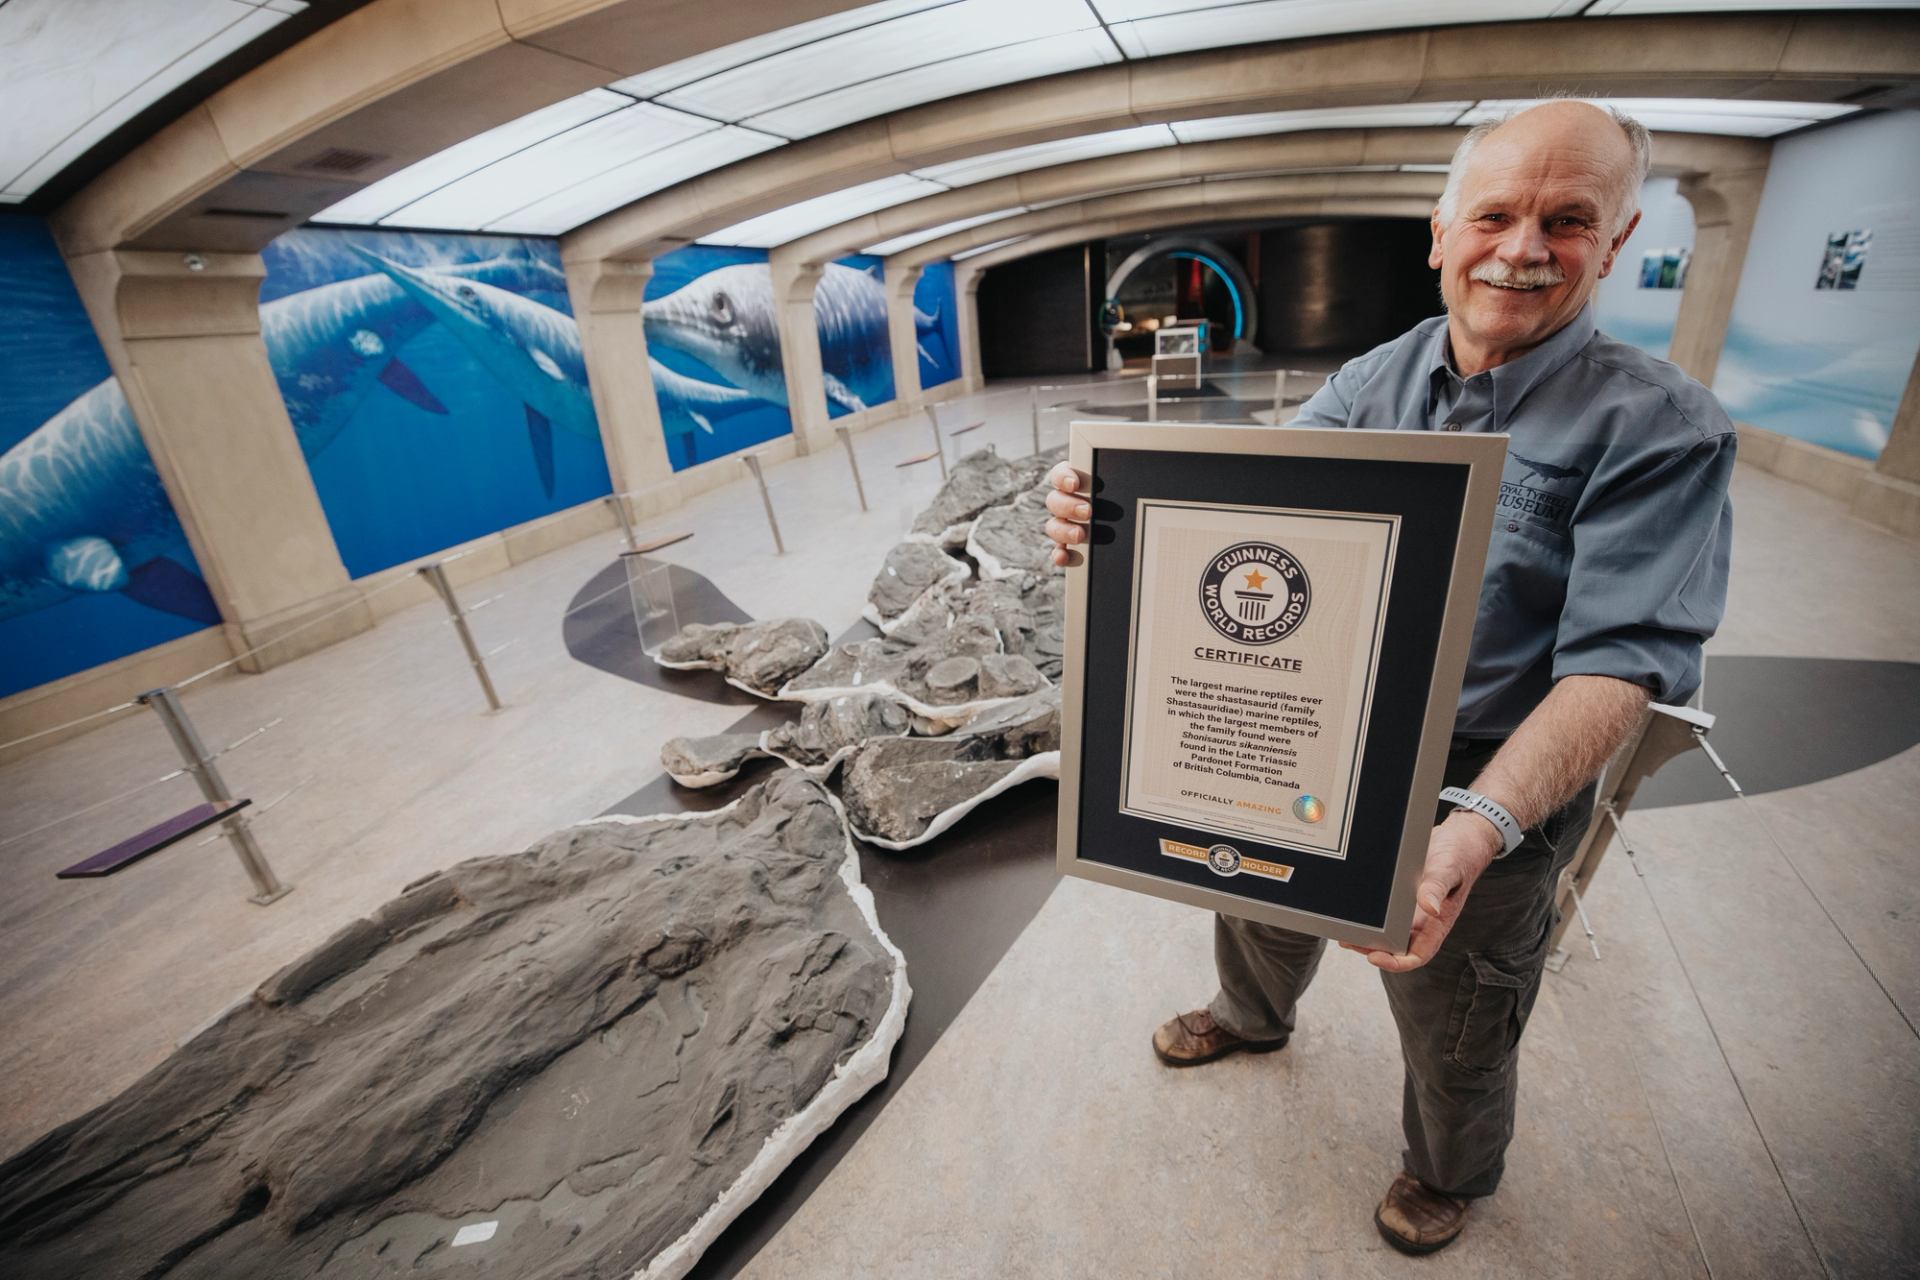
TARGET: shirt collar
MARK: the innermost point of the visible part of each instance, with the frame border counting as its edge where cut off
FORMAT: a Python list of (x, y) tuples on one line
[(1513, 380)]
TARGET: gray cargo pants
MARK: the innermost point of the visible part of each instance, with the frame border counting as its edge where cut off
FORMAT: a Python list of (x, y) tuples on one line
[(1460, 1015)]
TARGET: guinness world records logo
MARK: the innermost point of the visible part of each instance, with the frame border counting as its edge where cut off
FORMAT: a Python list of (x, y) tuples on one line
[(1255, 593)]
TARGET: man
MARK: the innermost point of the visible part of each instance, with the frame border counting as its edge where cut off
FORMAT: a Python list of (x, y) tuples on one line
[(1605, 574)]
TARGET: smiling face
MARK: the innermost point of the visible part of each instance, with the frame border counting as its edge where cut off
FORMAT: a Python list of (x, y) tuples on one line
[(1533, 227)]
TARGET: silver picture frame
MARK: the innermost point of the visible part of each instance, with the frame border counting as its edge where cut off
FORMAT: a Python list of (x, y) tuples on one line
[(1468, 510)]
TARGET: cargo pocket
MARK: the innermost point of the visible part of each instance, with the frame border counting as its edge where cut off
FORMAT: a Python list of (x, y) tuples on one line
[(1488, 1011)]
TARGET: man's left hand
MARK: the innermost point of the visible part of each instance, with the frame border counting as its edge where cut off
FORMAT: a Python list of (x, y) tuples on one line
[(1459, 850)]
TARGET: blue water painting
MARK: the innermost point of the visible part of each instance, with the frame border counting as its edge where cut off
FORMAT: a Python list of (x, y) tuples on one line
[(714, 343), (856, 355), (94, 564), (936, 323), (1835, 394), (436, 383)]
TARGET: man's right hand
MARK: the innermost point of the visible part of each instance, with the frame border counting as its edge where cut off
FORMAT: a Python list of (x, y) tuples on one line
[(1070, 507)]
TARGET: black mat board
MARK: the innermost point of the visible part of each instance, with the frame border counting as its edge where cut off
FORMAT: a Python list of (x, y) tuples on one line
[(1428, 497)]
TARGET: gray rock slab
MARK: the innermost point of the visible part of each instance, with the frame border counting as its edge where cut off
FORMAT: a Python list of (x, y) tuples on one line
[(974, 483), (1027, 611), (902, 672), (592, 1045), (708, 761), (903, 791), (911, 569), (1011, 539), (757, 656), (826, 730)]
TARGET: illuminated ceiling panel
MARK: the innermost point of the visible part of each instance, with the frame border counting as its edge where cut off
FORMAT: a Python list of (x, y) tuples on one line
[(913, 238), (808, 216), (879, 50), (391, 194), (1734, 116), (987, 248), (577, 155), (586, 200), (726, 57), (1050, 56), (999, 164), (1417, 113), (1161, 29), (76, 71)]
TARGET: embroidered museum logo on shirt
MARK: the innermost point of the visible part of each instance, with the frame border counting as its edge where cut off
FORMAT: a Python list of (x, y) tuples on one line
[(1531, 500)]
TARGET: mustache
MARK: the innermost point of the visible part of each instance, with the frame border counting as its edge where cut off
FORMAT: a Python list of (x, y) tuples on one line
[(1501, 273)]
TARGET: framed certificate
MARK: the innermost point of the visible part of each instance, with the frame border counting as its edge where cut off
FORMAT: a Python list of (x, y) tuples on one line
[(1264, 651)]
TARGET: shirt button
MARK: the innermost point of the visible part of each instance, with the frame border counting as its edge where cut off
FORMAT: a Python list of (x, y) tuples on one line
[(1452, 426), (1513, 528)]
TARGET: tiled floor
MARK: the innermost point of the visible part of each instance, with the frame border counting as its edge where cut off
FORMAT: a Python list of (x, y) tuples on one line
[(1734, 1089)]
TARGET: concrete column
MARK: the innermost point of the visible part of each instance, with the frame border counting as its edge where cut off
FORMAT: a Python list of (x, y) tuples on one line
[(1901, 458), (966, 297), (182, 332), (793, 286), (904, 338), (606, 297), (1724, 204)]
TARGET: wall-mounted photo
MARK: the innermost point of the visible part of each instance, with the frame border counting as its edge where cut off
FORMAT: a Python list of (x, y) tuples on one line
[(1845, 254), (94, 564), (1665, 268), (436, 384), (713, 339)]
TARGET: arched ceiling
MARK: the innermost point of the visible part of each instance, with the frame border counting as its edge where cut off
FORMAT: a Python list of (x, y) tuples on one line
[(739, 142)]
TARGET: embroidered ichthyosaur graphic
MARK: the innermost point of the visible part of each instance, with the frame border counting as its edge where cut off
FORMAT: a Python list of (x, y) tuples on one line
[(1544, 470)]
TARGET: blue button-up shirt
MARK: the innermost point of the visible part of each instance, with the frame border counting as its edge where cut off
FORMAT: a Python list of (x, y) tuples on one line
[(1610, 544)]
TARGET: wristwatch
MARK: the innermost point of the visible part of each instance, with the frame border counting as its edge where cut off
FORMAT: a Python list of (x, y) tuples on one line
[(1510, 830)]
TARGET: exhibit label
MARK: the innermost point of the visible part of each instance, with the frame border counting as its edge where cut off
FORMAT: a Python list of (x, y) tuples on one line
[(1256, 642)]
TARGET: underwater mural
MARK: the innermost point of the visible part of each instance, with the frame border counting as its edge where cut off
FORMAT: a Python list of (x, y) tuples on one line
[(436, 384), (94, 564), (714, 341), (936, 324)]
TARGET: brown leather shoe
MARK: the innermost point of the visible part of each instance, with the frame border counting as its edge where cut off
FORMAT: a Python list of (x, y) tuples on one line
[(1193, 1038), (1414, 1219)]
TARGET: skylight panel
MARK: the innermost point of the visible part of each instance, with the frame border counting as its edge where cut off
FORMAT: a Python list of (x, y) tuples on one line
[(880, 49), (1737, 117), (727, 57), (998, 164), (808, 216), (584, 201), (1413, 113), (559, 162), (977, 250), (395, 192), (1157, 32), (75, 73), (913, 238), (1051, 55)]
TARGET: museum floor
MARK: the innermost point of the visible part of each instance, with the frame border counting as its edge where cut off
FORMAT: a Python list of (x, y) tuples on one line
[(1732, 1090)]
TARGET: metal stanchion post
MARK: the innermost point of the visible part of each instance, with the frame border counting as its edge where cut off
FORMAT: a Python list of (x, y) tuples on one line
[(618, 501), (436, 574), (846, 439), (1153, 397), (1279, 394), (753, 465), (939, 449), (267, 886), (1033, 405)]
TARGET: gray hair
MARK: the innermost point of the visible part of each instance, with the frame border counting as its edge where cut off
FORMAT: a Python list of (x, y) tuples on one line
[(1626, 201)]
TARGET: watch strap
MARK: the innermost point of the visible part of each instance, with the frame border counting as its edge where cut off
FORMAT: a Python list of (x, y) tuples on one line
[(1511, 833)]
